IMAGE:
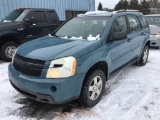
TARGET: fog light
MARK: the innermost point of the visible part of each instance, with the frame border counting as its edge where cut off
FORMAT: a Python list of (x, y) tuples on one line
[(53, 89)]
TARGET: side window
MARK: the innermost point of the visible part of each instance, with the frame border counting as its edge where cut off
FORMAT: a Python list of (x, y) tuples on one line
[(145, 22), (134, 23), (52, 17), (40, 17), (119, 25)]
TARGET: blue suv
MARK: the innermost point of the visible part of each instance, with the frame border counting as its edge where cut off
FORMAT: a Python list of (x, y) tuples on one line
[(75, 61)]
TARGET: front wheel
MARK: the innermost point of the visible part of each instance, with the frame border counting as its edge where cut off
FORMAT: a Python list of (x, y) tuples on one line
[(92, 89), (144, 57), (7, 50)]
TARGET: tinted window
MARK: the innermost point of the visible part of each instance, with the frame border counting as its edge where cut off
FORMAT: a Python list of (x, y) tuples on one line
[(40, 17), (134, 23), (52, 17)]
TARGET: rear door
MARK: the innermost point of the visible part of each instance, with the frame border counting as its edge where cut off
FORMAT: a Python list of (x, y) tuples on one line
[(121, 49), (136, 36), (39, 28)]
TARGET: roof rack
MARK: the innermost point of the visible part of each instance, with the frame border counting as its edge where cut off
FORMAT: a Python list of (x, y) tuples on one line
[(97, 13), (128, 10), (104, 13)]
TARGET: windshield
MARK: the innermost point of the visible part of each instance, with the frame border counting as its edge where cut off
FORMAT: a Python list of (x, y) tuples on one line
[(153, 20), (16, 16), (90, 28)]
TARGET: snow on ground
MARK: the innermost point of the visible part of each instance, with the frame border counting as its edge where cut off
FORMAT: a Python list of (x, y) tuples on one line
[(132, 93)]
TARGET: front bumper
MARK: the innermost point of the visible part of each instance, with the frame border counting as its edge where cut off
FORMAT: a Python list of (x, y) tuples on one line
[(154, 42), (54, 91)]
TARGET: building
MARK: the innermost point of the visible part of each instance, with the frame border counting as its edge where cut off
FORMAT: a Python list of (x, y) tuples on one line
[(64, 8)]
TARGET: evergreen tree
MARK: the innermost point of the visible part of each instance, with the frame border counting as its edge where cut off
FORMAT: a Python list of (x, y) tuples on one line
[(119, 5), (134, 5), (144, 7), (100, 6), (125, 5)]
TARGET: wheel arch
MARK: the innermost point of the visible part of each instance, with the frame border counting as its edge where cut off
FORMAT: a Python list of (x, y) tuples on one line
[(101, 65), (10, 38), (148, 43)]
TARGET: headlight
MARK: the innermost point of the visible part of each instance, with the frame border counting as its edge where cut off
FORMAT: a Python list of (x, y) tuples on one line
[(157, 36), (61, 68)]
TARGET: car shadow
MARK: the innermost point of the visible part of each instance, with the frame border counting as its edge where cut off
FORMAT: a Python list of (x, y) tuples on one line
[(38, 110)]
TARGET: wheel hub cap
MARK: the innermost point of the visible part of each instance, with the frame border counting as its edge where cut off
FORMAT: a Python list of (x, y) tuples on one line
[(95, 88), (10, 50)]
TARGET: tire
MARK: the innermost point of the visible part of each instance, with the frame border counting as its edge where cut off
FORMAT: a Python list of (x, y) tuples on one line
[(8, 50), (144, 57), (90, 93)]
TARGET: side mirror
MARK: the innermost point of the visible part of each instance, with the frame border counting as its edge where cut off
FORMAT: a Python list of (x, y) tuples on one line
[(119, 36), (33, 21), (27, 22)]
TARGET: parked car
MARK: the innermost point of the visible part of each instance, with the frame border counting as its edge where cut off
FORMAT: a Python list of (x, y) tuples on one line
[(75, 62), (154, 24), (25, 24)]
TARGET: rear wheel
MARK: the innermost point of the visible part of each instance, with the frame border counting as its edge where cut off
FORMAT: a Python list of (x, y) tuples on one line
[(93, 89), (144, 57), (7, 50)]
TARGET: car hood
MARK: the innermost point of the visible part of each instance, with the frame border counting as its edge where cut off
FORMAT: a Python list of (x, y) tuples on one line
[(5, 24), (154, 29), (49, 48)]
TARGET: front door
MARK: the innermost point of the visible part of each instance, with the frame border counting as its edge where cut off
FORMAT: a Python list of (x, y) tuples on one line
[(121, 49), (38, 29)]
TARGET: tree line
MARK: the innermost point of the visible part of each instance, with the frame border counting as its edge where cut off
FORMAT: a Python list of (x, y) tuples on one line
[(134, 5)]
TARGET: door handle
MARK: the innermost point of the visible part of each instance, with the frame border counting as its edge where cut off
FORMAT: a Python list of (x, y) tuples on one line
[(128, 40)]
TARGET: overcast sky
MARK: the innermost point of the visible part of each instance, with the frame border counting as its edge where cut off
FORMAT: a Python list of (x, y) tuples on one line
[(107, 3)]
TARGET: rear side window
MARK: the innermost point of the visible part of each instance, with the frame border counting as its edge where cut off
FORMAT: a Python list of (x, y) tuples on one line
[(40, 17), (134, 23), (52, 17)]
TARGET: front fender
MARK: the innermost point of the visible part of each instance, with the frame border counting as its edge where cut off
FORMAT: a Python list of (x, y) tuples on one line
[(87, 61), (5, 33)]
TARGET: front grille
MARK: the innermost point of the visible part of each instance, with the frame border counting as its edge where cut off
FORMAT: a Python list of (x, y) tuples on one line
[(28, 66)]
